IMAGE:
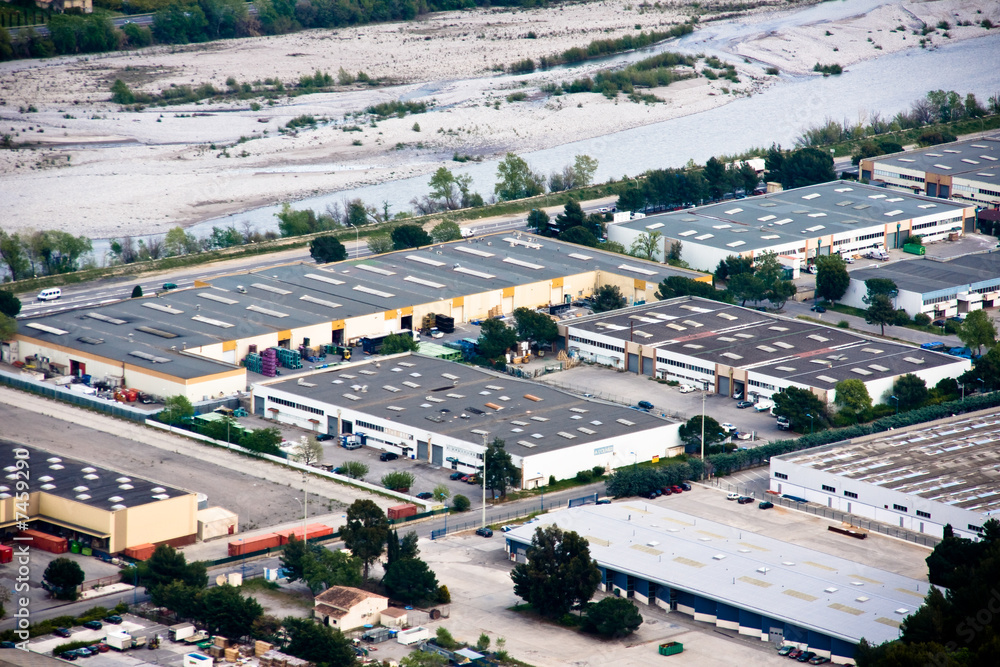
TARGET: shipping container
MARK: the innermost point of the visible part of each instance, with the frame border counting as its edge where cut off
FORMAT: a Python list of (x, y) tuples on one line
[(401, 511), (46, 542), (253, 544), (445, 323), (6, 554), (140, 551)]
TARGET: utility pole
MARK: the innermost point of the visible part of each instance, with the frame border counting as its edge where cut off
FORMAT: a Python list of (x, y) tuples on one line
[(485, 435)]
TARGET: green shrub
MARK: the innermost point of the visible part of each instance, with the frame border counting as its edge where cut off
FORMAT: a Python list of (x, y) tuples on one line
[(584, 477), (460, 503), (844, 324), (923, 319)]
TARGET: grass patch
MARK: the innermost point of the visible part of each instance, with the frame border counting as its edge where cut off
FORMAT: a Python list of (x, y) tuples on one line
[(827, 70), (396, 108), (655, 72)]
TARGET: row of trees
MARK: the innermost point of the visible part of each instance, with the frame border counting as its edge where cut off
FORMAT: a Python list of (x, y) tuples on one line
[(46, 252)]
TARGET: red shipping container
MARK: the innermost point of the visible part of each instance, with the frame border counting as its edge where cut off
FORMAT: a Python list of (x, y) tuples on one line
[(46, 542), (140, 551), (6, 554), (313, 530), (252, 544), (401, 511)]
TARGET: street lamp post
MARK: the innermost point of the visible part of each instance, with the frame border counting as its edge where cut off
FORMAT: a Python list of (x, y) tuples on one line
[(809, 414), (961, 385), (893, 398), (485, 435), (357, 241), (982, 384), (542, 487)]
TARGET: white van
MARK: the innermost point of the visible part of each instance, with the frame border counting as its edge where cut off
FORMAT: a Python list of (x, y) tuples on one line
[(467, 233), (50, 294)]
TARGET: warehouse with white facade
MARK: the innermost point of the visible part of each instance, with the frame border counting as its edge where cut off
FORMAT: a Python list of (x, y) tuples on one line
[(935, 287), (837, 217), (730, 350), (967, 171), (758, 586), (446, 413), (190, 342), (919, 478)]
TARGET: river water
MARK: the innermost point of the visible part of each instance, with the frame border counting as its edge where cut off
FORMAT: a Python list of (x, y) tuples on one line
[(778, 114)]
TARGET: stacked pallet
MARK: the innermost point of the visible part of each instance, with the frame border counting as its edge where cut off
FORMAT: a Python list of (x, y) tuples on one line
[(269, 362), (278, 659)]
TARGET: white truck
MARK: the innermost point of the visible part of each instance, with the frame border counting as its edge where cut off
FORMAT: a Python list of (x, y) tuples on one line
[(181, 631), (120, 640), (413, 635)]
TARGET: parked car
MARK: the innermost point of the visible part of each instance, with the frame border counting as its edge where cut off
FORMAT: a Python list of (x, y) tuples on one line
[(85, 652), (685, 486), (437, 333), (676, 489), (818, 660), (456, 475), (934, 347), (509, 527), (604, 501), (667, 491), (645, 405), (818, 309), (485, 532), (101, 648), (6, 644), (653, 495), (765, 504), (938, 322), (958, 319), (794, 653), (425, 495), (738, 396), (784, 423), (744, 500), (169, 286), (786, 649), (848, 259), (727, 427), (388, 456), (472, 479), (744, 404), (323, 437), (68, 655), (685, 389), (733, 496), (93, 625), (806, 656), (62, 632)]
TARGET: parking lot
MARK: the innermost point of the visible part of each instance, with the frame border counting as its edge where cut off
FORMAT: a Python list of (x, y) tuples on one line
[(169, 653)]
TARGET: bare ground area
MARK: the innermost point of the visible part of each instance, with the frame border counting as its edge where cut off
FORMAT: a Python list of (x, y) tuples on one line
[(137, 172)]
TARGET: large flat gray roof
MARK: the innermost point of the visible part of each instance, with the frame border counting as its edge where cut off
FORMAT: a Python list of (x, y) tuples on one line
[(791, 216), (458, 400), (289, 296), (972, 159), (929, 276), (83, 482), (810, 589), (954, 462), (794, 349)]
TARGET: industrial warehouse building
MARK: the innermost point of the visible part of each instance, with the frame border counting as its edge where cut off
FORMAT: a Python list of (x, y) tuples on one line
[(102, 508), (934, 287), (191, 341), (968, 171), (920, 478), (730, 350), (737, 580), (445, 413), (837, 217)]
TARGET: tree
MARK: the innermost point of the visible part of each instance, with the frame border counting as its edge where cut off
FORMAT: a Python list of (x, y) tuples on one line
[(533, 325), (293, 558), (460, 503), (446, 231), (780, 292), (325, 249), (401, 342), (880, 311), (175, 596), (852, 397), (680, 286), (584, 168), (178, 242), (807, 166), (572, 216), (495, 338), (674, 253), (580, 236), (12, 252), (746, 177), (167, 565), (690, 433), (323, 568), (410, 236), (297, 223), (10, 305), (62, 577), (559, 574), (647, 245), (612, 617), (399, 549), (797, 404), (223, 610), (8, 327), (443, 188), (733, 265), (424, 659), (354, 469), (910, 391), (879, 286), (137, 292), (538, 221), (978, 330), (515, 180), (501, 473), (319, 644), (365, 532), (716, 177), (398, 479), (832, 278), (380, 243), (410, 580), (263, 440), (308, 450), (176, 409), (608, 297), (745, 287), (441, 493)]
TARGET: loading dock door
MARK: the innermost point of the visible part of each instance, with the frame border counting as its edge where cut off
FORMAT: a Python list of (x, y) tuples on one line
[(258, 406), (776, 636), (723, 385), (421, 450), (633, 363), (437, 455)]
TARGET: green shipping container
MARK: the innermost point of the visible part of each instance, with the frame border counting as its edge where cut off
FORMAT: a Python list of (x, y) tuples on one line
[(86, 551), (914, 249), (671, 648)]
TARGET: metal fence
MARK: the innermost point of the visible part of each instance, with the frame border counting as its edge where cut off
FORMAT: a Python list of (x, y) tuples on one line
[(471, 524), (836, 515), (583, 500)]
